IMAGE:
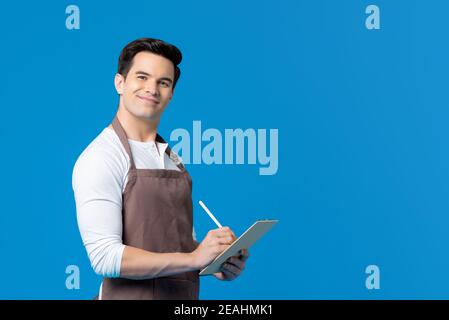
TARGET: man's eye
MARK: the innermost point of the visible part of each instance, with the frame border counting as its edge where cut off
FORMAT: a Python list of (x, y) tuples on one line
[(164, 84), (142, 77)]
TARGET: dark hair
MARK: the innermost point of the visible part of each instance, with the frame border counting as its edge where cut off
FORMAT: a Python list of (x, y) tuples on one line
[(155, 46)]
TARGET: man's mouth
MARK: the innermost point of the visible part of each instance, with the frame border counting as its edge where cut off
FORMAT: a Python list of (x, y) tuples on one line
[(148, 99)]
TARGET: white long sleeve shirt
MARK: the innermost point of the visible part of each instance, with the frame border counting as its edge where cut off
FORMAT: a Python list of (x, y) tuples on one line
[(99, 178)]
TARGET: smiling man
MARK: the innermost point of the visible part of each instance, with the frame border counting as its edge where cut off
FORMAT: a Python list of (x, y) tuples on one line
[(134, 196)]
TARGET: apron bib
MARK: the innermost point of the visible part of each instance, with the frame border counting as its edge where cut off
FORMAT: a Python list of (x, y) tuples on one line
[(157, 217)]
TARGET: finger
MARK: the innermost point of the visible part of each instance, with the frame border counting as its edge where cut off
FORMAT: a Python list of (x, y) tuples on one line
[(225, 233), (226, 230), (220, 275), (232, 234), (224, 240), (228, 276), (231, 268), (244, 255), (221, 232), (236, 262), (227, 237), (222, 247)]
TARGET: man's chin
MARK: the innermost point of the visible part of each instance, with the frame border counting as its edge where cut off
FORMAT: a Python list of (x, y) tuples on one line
[(150, 116), (147, 113)]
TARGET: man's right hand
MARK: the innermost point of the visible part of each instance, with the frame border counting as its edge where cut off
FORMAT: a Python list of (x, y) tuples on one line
[(215, 242)]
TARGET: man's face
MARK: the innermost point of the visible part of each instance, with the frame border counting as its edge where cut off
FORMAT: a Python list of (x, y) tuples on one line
[(148, 86)]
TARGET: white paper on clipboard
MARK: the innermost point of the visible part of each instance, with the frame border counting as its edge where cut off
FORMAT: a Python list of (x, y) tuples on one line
[(245, 241)]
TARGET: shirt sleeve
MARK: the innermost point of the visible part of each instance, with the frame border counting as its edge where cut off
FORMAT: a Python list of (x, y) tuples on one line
[(97, 185)]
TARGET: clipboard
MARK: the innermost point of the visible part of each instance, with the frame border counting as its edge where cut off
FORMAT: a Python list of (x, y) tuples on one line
[(245, 241)]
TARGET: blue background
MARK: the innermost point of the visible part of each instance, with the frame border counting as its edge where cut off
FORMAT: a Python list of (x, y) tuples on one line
[(363, 138)]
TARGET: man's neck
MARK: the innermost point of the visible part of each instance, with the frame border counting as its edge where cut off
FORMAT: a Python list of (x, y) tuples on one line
[(137, 128)]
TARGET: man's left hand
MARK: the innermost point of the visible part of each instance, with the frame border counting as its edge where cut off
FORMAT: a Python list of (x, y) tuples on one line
[(232, 268)]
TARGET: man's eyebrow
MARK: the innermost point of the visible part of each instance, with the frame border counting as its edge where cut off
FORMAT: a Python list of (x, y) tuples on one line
[(143, 72), (147, 74)]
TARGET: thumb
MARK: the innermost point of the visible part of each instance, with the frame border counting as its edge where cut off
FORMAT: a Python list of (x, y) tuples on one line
[(220, 275)]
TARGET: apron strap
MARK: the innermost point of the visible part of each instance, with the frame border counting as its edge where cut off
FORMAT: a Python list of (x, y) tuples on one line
[(171, 154), (124, 140)]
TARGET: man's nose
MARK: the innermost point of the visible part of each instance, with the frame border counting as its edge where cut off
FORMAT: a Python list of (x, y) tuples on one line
[(151, 88)]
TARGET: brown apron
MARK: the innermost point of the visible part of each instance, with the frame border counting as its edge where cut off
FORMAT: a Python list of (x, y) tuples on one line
[(157, 217)]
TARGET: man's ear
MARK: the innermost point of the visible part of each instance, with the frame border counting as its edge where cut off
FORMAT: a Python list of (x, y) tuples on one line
[(119, 82)]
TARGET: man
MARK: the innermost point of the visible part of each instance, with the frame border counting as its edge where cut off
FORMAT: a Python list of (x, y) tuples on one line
[(133, 194)]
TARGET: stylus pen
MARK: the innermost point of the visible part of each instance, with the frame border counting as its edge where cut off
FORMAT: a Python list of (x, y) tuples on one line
[(210, 214)]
